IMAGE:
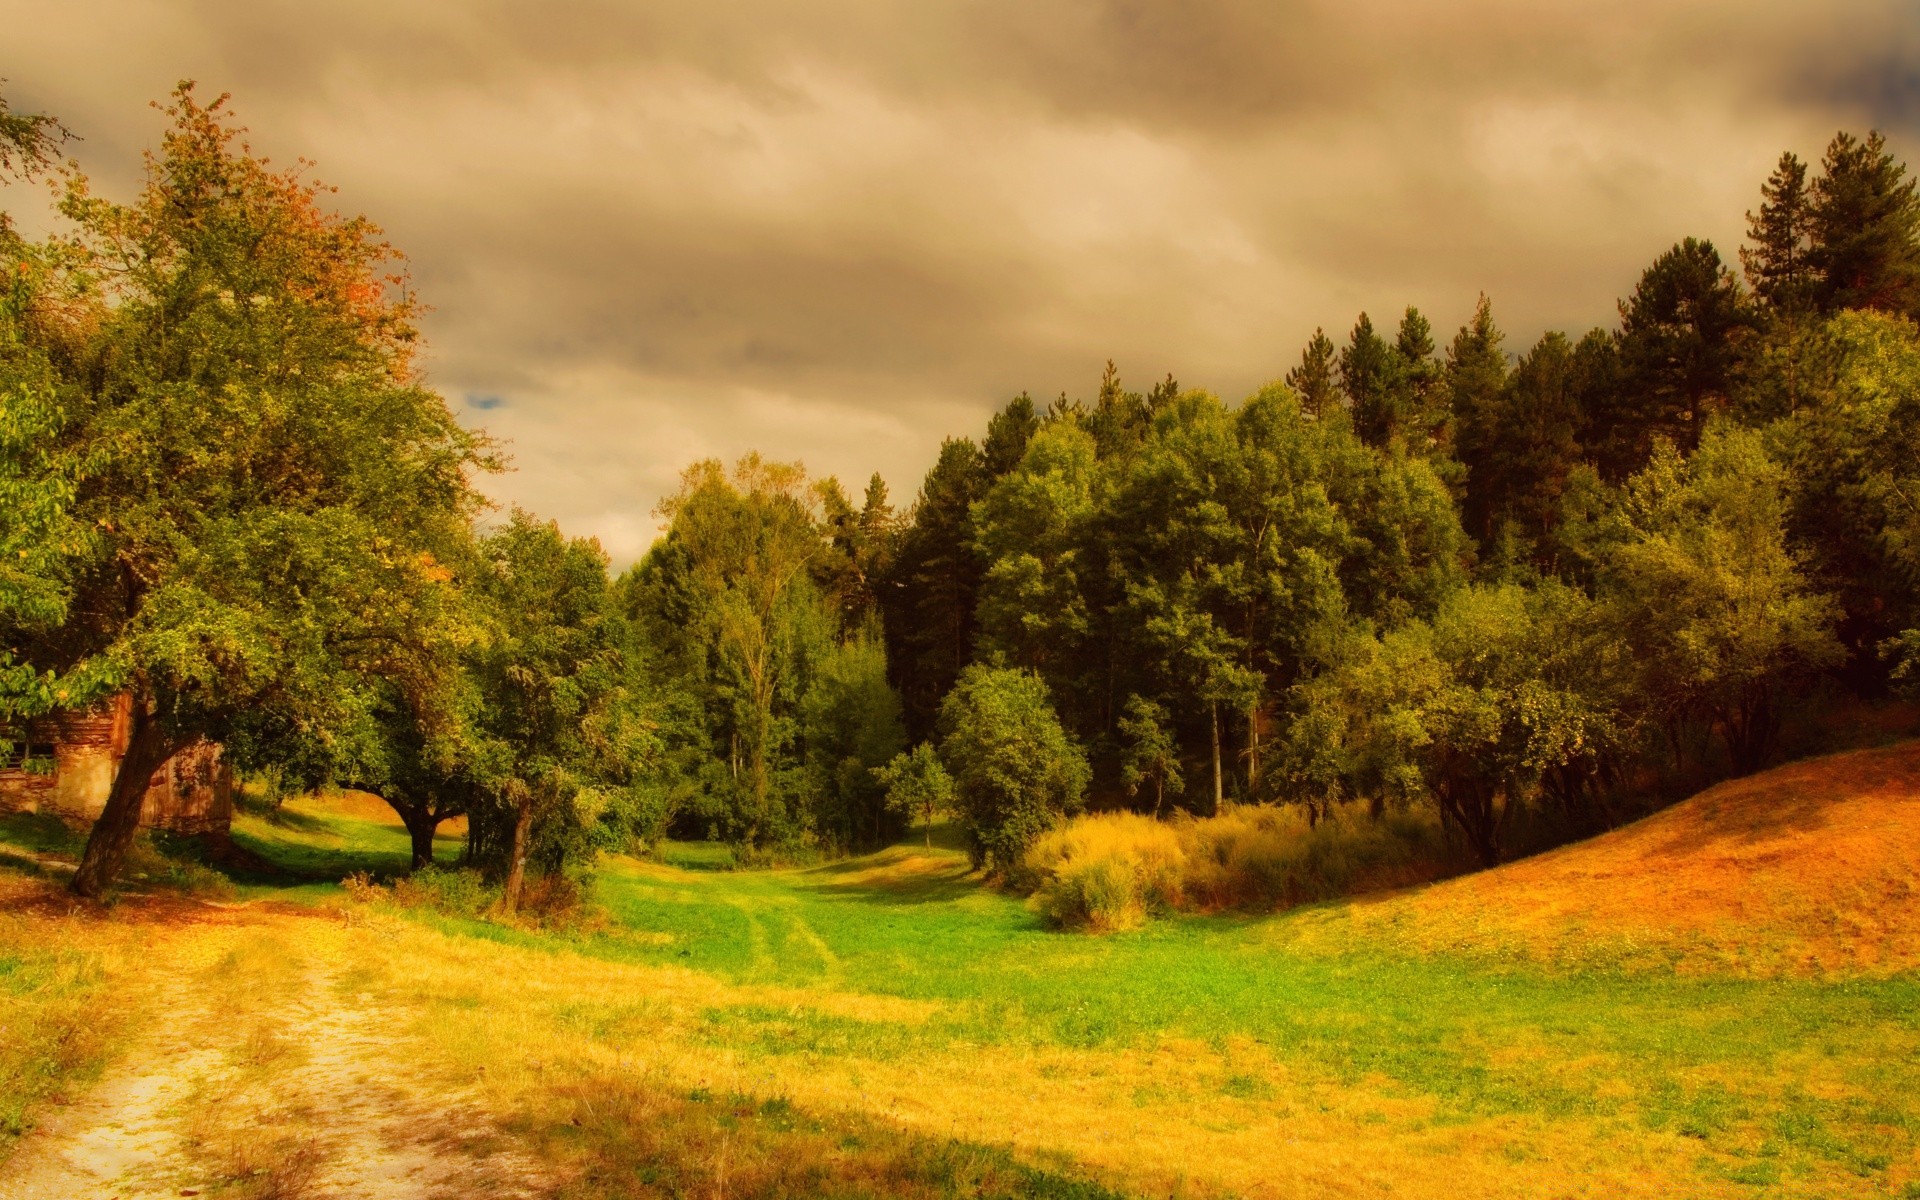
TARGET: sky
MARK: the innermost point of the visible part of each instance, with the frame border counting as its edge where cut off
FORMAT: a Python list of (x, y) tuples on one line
[(840, 232)]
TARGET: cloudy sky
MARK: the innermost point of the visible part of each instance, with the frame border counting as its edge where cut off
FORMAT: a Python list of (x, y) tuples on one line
[(659, 231)]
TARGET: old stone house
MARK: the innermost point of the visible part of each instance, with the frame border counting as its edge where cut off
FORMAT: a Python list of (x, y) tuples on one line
[(192, 792)]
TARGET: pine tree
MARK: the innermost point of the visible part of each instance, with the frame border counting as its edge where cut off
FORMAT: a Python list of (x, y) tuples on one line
[(1312, 381), (1776, 263), (1681, 334), (1474, 376), (1423, 416), (1864, 221), (1367, 375)]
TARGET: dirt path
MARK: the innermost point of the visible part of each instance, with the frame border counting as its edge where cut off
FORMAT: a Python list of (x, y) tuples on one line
[(279, 1085)]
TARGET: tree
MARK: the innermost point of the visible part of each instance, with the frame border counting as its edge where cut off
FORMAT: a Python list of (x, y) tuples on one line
[(1028, 531), (849, 726), (1852, 446), (1016, 773), (1525, 454), (929, 600), (555, 678), (1313, 381), (1470, 710), (1863, 223), (1722, 618), (1682, 333), (1151, 754), (1776, 262), (1368, 376), (918, 786), (737, 560), (265, 486), (1474, 377)]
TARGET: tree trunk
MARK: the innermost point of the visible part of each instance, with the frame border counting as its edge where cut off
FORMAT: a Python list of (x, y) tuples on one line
[(421, 826), (517, 870), (1219, 792), (147, 748), (1253, 752)]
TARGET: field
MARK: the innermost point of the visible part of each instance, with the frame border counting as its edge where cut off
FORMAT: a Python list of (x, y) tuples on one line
[(1709, 1003)]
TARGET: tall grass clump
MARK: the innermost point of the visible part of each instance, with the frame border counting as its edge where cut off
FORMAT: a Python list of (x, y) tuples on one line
[(1106, 872), (1262, 857), (1111, 870)]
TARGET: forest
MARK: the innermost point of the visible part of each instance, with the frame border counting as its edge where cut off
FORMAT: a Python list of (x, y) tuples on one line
[(1532, 592)]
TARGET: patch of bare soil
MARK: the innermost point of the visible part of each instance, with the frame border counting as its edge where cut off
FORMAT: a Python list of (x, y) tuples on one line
[(280, 1088)]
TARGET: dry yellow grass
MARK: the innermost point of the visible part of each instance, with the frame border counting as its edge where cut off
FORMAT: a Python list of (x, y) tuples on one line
[(1811, 867), (1108, 871)]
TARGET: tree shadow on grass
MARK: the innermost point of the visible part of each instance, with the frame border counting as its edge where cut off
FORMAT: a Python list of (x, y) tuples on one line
[(41, 833)]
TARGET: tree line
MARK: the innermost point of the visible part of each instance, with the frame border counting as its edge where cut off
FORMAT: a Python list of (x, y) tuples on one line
[(1498, 585)]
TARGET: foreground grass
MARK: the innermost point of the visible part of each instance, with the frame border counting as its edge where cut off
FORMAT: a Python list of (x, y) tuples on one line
[(71, 996), (887, 1026)]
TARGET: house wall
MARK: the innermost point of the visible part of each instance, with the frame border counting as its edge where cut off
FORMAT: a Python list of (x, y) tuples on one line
[(191, 793)]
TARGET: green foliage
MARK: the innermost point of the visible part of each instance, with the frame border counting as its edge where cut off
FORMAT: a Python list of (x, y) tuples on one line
[(1852, 442), (1863, 226), (1151, 755), (757, 608), (917, 786), (1469, 710), (266, 489), (1016, 772), (561, 734), (1721, 618), (851, 727)]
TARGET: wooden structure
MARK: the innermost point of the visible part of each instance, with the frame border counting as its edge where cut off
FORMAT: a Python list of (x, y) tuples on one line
[(192, 792)]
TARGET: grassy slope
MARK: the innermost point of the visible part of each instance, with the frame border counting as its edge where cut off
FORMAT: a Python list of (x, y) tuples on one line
[(1422, 1044)]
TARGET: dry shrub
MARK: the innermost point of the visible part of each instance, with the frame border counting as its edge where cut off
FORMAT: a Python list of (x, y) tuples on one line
[(361, 888), (1263, 857), (1110, 871), (1106, 872)]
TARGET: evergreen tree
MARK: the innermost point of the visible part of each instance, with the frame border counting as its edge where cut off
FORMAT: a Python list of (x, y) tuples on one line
[(1368, 376), (929, 601), (1682, 334), (1776, 263), (1008, 433), (1864, 227), (1474, 378), (1313, 380)]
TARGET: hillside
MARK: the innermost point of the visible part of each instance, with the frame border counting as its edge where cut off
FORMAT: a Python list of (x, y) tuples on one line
[(1810, 867)]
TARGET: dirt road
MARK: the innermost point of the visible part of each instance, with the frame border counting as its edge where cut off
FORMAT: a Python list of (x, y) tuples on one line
[(263, 1074)]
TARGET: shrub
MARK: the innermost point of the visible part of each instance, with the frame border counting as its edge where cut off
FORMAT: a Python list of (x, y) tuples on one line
[(451, 890), (1111, 871), (1106, 872), (1262, 857)]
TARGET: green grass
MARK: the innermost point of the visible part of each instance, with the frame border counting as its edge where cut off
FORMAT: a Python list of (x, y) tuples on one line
[(1726, 1062), (311, 840)]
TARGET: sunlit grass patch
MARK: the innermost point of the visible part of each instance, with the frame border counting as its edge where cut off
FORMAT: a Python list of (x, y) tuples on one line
[(70, 997)]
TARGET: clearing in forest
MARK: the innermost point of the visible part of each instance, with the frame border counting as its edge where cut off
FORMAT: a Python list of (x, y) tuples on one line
[(887, 1026)]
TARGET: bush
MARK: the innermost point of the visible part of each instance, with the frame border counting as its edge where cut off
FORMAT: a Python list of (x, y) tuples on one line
[(1106, 872), (1111, 871), (1267, 858), (451, 890)]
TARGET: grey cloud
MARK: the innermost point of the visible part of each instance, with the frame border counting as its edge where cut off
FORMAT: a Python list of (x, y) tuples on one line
[(842, 230)]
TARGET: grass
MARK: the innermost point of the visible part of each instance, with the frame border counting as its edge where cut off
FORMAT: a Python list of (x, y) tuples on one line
[(888, 1026)]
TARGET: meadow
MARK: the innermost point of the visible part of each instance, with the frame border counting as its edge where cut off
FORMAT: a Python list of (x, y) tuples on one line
[(888, 1025)]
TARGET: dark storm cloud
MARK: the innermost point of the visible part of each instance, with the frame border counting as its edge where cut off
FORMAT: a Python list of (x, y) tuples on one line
[(652, 232)]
